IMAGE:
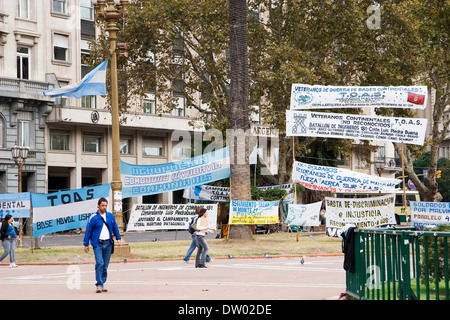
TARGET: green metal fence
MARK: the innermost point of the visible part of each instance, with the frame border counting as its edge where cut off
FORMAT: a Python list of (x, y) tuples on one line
[(400, 264)]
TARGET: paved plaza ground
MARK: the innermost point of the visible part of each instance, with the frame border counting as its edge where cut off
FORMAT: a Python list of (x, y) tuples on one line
[(319, 278)]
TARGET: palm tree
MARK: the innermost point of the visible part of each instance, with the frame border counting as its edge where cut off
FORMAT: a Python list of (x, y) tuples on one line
[(239, 119)]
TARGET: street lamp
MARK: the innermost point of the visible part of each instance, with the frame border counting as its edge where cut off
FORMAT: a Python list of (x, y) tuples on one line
[(20, 154), (111, 11)]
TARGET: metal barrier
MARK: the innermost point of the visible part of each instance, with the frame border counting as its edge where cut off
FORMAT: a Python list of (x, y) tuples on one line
[(400, 264)]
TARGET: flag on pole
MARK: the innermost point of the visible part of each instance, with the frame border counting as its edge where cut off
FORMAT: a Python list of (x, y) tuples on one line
[(93, 84)]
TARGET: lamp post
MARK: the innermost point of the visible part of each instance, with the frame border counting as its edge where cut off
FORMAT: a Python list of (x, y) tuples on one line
[(20, 154), (111, 11)]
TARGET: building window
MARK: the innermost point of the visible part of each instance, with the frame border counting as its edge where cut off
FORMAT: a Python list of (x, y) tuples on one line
[(23, 63), (179, 108), (149, 104), (153, 146), (60, 6), (88, 102), (86, 10), (59, 141), (92, 143), (24, 133), (2, 131), (23, 9), (60, 47), (125, 146)]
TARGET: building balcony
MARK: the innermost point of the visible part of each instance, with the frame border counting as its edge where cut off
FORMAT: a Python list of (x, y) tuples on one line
[(388, 163), (23, 89)]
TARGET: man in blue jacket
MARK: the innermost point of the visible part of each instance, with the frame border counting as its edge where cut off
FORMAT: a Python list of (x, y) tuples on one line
[(99, 234)]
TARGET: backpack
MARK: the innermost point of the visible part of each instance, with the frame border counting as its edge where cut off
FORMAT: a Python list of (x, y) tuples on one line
[(193, 225)]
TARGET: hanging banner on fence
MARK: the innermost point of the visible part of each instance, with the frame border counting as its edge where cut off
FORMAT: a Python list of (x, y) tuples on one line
[(221, 194), (333, 179), (305, 96), (304, 214), (140, 180), (207, 193), (146, 217), (65, 210), (353, 126), (253, 212), (16, 204), (363, 212), (429, 214)]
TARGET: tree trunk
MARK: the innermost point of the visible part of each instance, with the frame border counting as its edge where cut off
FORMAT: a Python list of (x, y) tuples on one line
[(240, 168)]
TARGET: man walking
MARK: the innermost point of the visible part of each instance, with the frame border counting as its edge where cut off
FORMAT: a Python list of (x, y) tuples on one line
[(99, 231)]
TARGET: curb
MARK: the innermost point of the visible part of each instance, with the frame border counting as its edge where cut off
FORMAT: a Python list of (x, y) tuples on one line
[(180, 259)]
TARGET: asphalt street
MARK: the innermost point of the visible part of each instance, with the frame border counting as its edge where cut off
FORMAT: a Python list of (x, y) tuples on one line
[(318, 278)]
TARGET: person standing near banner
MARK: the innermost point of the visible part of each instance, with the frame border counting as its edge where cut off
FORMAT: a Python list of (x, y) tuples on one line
[(99, 232), (194, 243), (8, 237), (202, 228)]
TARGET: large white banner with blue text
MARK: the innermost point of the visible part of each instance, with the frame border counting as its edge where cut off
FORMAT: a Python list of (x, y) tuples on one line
[(333, 179), (221, 194), (15, 204), (305, 96), (65, 210), (429, 214), (355, 126), (141, 180)]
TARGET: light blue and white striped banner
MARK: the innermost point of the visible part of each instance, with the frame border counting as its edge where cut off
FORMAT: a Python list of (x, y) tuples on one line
[(141, 180), (65, 210)]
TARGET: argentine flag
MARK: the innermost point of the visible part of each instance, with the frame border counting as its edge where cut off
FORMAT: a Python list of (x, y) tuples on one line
[(93, 84)]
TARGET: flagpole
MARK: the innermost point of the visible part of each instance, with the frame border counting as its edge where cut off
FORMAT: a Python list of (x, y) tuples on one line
[(110, 12)]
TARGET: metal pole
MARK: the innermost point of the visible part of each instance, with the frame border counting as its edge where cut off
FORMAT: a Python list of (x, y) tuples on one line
[(404, 186)]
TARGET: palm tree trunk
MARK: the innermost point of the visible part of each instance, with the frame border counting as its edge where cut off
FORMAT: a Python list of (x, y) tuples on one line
[(239, 119)]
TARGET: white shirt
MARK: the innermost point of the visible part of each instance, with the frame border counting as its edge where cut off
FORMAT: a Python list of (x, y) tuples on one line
[(104, 234)]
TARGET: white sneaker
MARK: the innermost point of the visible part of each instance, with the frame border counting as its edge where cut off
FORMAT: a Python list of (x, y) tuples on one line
[(187, 261), (13, 265)]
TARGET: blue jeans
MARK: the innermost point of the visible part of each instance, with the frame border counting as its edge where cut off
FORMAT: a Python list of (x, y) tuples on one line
[(202, 251), (194, 244), (10, 248), (102, 255)]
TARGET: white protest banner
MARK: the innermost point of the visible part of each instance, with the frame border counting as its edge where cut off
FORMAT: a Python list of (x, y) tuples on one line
[(333, 179), (16, 204), (207, 193), (353, 126), (146, 217), (429, 214), (139, 180), (304, 214), (305, 96), (221, 194), (65, 210), (253, 212), (362, 212)]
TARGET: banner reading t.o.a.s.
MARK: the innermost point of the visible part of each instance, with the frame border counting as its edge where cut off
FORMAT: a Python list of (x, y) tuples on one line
[(167, 216), (305, 96), (253, 212), (65, 210), (15, 204), (429, 214), (140, 180), (353, 126), (363, 213), (333, 179)]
